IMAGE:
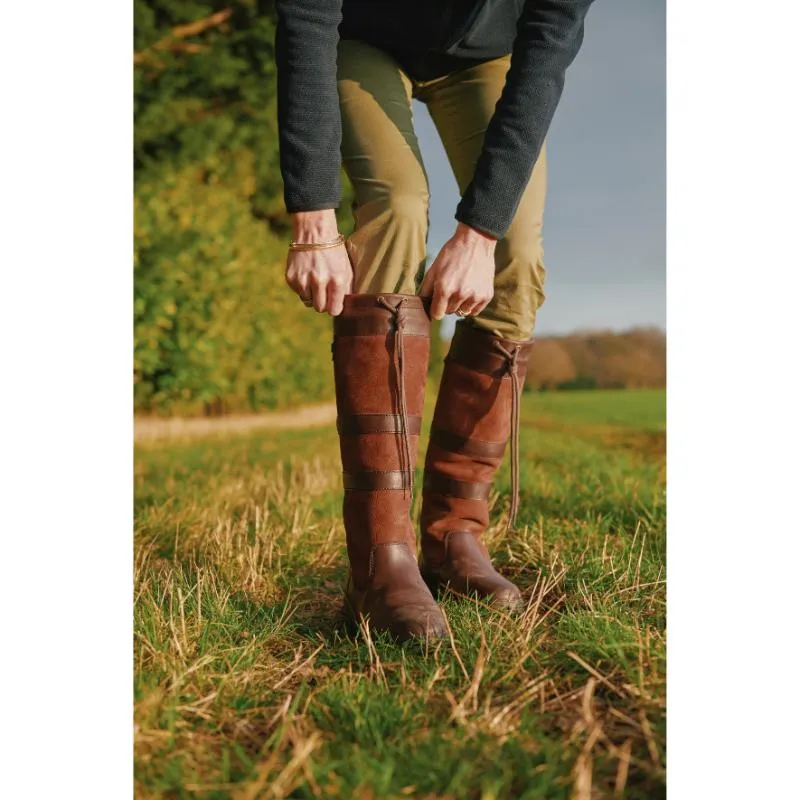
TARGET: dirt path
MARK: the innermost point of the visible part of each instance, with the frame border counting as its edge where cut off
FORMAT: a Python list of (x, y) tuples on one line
[(149, 429)]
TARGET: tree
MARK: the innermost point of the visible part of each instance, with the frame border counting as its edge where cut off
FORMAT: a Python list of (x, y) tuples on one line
[(550, 365)]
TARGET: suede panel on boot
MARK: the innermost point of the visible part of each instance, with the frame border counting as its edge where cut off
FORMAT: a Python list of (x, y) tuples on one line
[(471, 426), (380, 355)]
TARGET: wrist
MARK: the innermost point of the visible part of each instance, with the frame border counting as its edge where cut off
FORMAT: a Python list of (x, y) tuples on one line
[(314, 226), (475, 238)]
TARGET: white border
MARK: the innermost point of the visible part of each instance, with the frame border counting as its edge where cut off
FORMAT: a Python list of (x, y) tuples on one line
[(66, 399), (732, 262)]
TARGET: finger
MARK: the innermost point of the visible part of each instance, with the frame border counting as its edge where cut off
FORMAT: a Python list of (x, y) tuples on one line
[(469, 307), (319, 294), (455, 302), (336, 291), (473, 310), (439, 303), (347, 273), (299, 282), (479, 307), (291, 278), (304, 293), (479, 302)]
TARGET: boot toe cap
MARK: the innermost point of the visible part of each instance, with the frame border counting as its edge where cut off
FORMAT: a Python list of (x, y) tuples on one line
[(425, 624)]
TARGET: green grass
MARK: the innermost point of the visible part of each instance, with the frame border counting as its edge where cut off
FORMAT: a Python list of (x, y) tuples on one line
[(643, 409), (247, 685)]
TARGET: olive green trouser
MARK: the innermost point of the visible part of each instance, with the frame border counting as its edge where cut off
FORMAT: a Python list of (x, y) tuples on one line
[(381, 156)]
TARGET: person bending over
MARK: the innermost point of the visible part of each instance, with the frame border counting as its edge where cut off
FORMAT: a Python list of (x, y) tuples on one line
[(491, 74)]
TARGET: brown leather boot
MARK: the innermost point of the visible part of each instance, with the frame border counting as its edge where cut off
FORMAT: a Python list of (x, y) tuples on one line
[(476, 412), (380, 354)]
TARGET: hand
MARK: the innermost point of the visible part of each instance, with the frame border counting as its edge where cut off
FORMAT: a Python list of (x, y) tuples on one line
[(462, 276), (322, 276)]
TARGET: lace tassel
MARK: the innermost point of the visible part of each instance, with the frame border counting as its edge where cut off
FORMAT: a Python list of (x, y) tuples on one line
[(399, 364), (511, 359)]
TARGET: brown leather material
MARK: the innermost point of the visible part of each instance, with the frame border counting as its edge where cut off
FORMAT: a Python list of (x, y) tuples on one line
[(466, 490), (373, 316), (367, 326), (375, 481), (478, 403), (374, 518), (473, 348), (462, 467), (375, 452), (414, 303), (380, 371), (368, 381), (463, 444), (397, 599), (467, 569), (377, 423), (474, 405)]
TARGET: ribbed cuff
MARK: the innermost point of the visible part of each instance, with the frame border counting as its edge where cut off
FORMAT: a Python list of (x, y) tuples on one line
[(490, 226)]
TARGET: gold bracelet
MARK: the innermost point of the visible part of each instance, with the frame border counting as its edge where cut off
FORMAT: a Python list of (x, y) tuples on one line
[(317, 245)]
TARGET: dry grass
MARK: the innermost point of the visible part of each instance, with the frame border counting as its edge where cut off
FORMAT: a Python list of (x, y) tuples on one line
[(248, 687)]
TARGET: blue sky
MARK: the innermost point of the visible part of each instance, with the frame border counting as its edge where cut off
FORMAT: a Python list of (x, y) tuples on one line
[(605, 219)]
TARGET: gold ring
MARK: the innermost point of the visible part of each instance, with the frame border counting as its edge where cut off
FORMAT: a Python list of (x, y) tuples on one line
[(461, 313), (307, 301)]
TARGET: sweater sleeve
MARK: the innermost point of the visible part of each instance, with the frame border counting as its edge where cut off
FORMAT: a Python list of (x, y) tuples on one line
[(549, 35), (309, 121)]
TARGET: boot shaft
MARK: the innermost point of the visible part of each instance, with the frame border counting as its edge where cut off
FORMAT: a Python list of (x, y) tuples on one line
[(380, 354), (476, 414)]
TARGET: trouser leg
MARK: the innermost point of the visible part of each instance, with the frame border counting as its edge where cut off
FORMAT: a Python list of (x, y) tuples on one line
[(381, 156), (462, 106)]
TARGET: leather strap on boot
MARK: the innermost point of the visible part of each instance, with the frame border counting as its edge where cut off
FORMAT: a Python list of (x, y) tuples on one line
[(511, 357), (399, 311)]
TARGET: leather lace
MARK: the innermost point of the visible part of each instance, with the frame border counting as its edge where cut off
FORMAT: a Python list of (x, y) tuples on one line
[(399, 312), (511, 362)]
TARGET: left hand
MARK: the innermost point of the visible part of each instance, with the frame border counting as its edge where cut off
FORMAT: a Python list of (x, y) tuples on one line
[(462, 276)]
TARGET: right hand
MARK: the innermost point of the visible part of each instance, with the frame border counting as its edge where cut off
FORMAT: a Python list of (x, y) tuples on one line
[(323, 276)]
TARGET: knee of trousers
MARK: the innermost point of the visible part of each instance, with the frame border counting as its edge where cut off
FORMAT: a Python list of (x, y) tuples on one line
[(518, 292), (521, 260), (389, 244), (405, 212)]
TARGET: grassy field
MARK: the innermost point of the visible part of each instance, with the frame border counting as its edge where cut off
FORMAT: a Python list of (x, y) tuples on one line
[(247, 685)]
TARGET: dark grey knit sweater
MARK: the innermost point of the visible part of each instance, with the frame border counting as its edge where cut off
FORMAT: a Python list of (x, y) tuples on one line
[(428, 39)]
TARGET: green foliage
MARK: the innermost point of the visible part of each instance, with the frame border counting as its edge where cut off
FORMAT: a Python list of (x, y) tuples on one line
[(215, 326), (194, 106)]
